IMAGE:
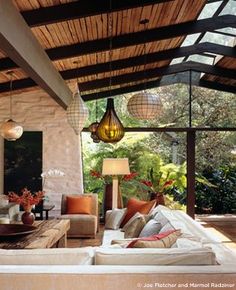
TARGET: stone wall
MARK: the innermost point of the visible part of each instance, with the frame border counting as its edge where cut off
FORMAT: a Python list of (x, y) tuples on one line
[(36, 111)]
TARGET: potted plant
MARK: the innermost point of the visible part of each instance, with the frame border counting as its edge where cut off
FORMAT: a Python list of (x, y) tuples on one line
[(27, 200)]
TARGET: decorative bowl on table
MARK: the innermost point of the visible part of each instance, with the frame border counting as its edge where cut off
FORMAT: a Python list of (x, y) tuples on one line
[(11, 230)]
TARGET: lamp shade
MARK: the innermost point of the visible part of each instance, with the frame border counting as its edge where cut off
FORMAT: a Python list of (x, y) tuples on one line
[(11, 131), (110, 129), (144, 106), (77, 113), (115, 166)]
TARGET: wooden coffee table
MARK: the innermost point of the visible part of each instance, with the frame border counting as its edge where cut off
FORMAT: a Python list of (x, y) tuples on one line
[(49, 234)]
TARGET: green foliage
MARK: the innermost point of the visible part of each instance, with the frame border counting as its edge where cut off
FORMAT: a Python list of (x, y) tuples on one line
[(153, 150), (221, 198)]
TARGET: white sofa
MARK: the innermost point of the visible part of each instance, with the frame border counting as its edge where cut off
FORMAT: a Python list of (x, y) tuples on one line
[(105, 267)]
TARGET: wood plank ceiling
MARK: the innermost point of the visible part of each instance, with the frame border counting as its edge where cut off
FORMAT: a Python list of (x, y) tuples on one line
[(81, 34)]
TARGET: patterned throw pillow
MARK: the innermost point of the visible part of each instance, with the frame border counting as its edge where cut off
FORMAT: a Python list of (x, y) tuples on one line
[(135, 227), (164, 240)]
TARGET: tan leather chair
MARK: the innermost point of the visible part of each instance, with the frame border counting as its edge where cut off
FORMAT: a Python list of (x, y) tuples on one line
[(82, 225)]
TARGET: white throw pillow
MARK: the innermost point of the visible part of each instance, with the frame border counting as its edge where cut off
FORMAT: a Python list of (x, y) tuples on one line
[(151, 228), (160, 218), (115, 218)]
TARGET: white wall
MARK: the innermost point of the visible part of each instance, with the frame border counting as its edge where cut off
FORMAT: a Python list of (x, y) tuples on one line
[(36, 111)]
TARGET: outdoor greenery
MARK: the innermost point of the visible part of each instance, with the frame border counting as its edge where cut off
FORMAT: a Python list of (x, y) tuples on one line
[(154, 156)]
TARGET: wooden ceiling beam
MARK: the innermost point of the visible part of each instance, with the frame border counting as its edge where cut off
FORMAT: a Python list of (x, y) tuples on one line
[(152, 35), (133, 77), (217, 86), (121, 91), (158, 72), (151, 85), (80, 9), (18, 41)]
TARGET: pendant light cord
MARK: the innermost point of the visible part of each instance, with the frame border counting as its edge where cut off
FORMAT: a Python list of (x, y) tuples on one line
[(10, 73), (96, 102), (110, 26), (144, 22), (77, 73)]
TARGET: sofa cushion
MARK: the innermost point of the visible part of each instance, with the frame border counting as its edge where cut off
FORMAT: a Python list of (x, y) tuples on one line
[(135, 227), (134, 206), (114, 218), (200, 256), (81, 224), (151, 228), (60, 256), (164, 240), (110, 235)]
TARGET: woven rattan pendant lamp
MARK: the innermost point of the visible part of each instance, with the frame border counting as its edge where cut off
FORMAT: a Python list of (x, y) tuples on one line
[(144, 105), (10, 130), (110, 128), (77, 113)]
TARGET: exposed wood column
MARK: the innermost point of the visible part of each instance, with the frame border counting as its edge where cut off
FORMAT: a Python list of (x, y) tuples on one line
[(191, 138), (19, 43)]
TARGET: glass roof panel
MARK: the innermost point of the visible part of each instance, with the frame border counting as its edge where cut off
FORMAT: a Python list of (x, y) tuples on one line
[(218, 38), (229, 30), (230, 8), (209, 10), (201, 58), (190, 39), (177, 60)]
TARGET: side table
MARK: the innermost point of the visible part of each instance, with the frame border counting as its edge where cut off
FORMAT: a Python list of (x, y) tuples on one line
[(47, 208)]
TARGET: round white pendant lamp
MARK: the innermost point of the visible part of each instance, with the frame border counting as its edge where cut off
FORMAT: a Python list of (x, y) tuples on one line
[(10, 130), (144, 106), (77, 113)]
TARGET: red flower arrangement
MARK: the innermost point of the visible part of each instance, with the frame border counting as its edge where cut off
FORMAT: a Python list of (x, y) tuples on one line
[(126, 178), (159, 187), (26, 199)]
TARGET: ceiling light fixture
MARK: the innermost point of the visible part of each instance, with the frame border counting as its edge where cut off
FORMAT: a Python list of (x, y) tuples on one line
[(110, 128), (144, 105), (77, 112), (93, 127), (10, 130)]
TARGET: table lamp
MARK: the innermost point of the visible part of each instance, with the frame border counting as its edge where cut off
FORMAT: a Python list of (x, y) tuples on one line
[(115, 167)]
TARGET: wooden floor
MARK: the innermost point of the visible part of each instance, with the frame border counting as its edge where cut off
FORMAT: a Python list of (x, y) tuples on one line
[(222, 226)]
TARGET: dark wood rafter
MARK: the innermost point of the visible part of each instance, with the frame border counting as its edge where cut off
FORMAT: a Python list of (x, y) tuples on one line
[(136, 38), (225, 33), (153, 84), (120, 91), (131, 77), (175, 129), (217, 86), (158, 72), (80, 9), (200, 48)]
